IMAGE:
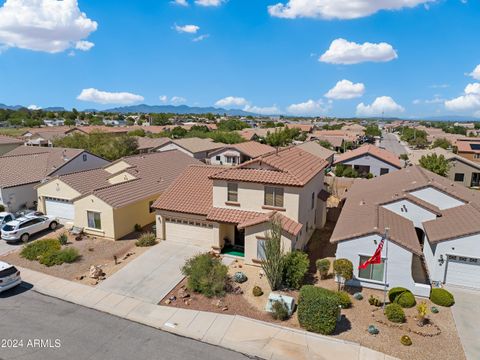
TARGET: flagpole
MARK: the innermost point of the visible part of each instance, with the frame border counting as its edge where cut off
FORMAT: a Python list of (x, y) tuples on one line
[(386, 268)]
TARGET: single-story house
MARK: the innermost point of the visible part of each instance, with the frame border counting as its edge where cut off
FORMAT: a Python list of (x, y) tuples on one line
[(229, 210), (110, 201), (370, 159), (147, 144), (8, 143), (432, 225), (28, 166), (462, 170), (314, 148), (195, 147), (44, 137), (238, 153)]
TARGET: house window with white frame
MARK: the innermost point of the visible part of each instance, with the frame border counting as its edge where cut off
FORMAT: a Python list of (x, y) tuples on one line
[(371, 272), (94, 221), (273, 196), (232, 192), (261, 249)]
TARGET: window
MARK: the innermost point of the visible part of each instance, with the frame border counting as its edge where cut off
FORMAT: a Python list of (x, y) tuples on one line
[(372, 272), (383, 171), (84, 157), (476, 156), (218, 158), (273, 196), (150, 208), (93, 219), (261, 249), (459, 177), (232, 190), (312, 205)]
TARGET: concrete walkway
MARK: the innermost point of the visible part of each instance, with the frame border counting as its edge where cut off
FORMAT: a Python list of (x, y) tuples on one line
[(248, 336), (466, 313), (152, 275)]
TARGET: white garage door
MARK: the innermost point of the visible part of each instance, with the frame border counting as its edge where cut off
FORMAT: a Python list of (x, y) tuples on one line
[(189, 232), (463, 271), (60, 208)]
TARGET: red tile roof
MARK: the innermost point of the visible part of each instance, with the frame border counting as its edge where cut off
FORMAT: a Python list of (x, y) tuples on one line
[(371, 150), (253, 149)]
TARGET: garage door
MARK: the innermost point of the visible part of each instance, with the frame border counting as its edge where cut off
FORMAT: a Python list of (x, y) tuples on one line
[(463, 271), (60, 208), (189, 232)]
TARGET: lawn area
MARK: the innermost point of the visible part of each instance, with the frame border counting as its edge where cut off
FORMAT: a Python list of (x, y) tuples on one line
[(15, 132)]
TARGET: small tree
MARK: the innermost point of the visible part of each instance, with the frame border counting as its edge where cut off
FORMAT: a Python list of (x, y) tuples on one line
[(436, 164), (273, 262), (442, 143), (323, 267), (326, 144), (344, 270)]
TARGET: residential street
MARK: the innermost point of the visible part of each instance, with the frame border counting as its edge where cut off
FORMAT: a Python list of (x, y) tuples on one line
[(391, 143), (88, 334)]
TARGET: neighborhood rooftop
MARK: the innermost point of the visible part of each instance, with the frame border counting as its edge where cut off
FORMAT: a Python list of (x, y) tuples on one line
[(371, 150)]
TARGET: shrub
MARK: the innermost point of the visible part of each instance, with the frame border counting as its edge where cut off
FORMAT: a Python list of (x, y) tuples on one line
[(395, 313), (323, 267), (422, 312), (405, 340), (344, 299), (442, 297), (63, 238), (257, 291), (2, 208), (394, 292), (406, 300), (295, 267), (137, 227), (146, 239), (373, 300), (344, 269), (59, 257), (279, 311), (206, 275), (318, 309), (272, 264), (40, 247)]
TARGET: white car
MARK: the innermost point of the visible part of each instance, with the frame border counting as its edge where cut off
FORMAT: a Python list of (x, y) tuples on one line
[(23, 227), (9, 276), (6, 217)]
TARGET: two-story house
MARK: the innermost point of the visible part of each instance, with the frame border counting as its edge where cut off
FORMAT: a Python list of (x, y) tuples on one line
[(230, 210)]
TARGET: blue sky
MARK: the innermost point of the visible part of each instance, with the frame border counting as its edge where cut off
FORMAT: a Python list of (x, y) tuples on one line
[(402, 60)]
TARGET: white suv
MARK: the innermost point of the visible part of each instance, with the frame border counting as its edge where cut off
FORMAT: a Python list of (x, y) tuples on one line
[(9, 276), (23, 227)]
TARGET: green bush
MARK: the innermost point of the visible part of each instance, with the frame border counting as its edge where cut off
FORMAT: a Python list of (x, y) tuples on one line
[(146, 239), (37, 248), (373, 300), (2, 208), (395, 313), (137, 227), (279, 311), (323, 267), (295, 267), (406, 300), (442, 297), (206, 275), (63, 238), (344, 299), (343, 268), (394, 292), (318, 309), (257, 291), (58, 257)]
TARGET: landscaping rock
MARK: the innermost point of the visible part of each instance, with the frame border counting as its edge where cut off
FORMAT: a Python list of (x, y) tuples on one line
[(183, 294), (168, 302), (96, 272)]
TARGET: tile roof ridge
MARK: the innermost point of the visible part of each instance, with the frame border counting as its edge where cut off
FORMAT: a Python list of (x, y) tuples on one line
[(113, 185), (20, 155)]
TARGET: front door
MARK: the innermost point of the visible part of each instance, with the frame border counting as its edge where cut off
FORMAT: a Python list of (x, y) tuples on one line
[(239, 237)]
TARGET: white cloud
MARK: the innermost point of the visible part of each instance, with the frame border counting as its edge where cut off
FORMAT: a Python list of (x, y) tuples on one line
[(231, 101), (201, 37), (180, 2), (382, 105), (44, 25), (176, 100), (477, 114), (437, 99), (84, 45), (470, 100), (33, 107), (476, 73), (308, 108), (105, 97), (267, 110), (338, 9), (342, 51), (163, 98), (345, 89), (439, 86), (190, 29), (209, 2)]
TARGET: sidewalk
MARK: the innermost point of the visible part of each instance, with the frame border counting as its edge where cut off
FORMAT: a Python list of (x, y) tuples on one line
[(248, 336)]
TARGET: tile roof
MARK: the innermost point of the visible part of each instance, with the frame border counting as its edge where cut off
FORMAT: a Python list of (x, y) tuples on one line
[(154, 173), (9, 140), (196, 145), (466, 147), (371, 150), (147, 143), (363, 213), (191, 193), (249, 133), (314, 148), (253, 149), (291, 166), (86, 181), (335, 141)]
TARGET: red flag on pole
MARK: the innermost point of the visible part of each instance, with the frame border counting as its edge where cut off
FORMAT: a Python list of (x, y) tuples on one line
[(376, 257)]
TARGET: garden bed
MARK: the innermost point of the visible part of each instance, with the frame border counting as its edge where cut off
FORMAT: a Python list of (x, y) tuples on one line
[(93, 251)]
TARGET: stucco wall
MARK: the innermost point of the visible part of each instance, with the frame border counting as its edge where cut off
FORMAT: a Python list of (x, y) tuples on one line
[(78, 164), (374, 163), (92, 203), (415, 213), (126, 217), (55, 189), (462, 168), (16, 198), (172, 146), (223, 159), (399, 267), (437, 198), (116, 167)]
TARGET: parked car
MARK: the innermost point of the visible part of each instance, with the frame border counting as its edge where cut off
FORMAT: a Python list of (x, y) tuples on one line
[(9, 276), (6, 217), (23, 227)]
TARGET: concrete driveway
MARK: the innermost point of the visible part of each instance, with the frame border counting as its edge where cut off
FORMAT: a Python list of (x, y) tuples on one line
[(466, 313), (8, 247), (151, 276)]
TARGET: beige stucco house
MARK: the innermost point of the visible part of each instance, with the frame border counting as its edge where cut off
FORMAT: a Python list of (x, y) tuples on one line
[(230, 209), (110, 201)]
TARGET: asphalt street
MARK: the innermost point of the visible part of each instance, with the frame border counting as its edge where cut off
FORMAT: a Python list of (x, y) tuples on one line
[(34, 326), (391, 143)]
